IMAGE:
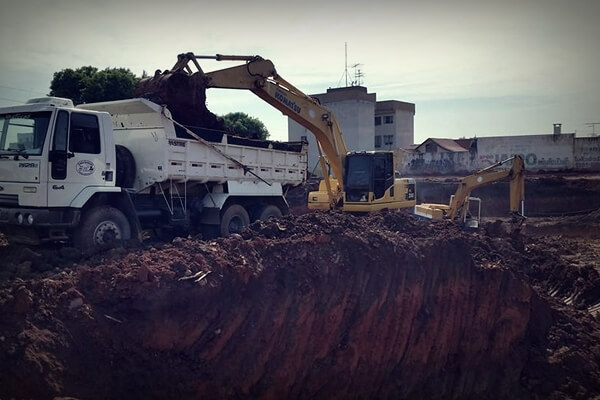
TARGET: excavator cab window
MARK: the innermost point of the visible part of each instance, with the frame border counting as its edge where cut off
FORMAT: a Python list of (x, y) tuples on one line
[(358, 179), (368, 173)]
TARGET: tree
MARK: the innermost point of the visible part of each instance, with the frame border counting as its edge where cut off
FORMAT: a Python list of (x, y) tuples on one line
[(89, 85), (244, 125)]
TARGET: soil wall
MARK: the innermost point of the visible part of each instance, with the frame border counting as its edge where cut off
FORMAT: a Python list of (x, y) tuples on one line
[(326, 305)]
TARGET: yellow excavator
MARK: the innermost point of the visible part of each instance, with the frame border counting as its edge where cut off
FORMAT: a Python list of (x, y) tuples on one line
[(361, 181), (460, 206)]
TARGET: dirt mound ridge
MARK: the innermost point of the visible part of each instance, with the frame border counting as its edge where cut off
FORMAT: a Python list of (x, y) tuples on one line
[(323, 305)]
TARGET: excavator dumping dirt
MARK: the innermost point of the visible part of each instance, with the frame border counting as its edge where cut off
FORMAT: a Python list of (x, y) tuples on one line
[(183, 94)]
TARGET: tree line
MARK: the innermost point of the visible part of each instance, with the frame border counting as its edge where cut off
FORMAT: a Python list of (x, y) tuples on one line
[(90, 85)]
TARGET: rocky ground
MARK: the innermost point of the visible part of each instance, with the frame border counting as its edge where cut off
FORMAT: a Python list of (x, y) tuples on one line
[(321, 305)]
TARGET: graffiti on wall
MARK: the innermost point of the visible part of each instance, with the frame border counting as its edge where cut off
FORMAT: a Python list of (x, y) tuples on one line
[(438, 163), (531, 160)]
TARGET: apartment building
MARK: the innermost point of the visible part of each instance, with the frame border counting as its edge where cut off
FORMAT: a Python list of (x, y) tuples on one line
[(367, 124)]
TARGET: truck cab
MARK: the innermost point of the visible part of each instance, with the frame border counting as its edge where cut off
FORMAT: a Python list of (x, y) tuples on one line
[(53, 158)]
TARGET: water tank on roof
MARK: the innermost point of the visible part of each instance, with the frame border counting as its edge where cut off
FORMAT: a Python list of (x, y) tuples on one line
[(557, 129)]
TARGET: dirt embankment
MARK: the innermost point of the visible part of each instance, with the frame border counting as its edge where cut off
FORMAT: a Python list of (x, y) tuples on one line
[(545, 194), (323, 305)]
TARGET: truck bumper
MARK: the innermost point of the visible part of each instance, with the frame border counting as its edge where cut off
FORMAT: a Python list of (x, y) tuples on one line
[(35, 225)]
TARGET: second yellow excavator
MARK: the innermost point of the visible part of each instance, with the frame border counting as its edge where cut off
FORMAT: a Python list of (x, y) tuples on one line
[(459, 207)]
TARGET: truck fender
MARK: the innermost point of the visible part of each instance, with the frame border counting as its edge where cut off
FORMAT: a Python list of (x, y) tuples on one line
[(211, 207), (86, 194), (119, 199), (215, 200)]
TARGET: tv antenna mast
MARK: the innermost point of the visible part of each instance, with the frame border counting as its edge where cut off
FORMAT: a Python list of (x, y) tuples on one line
[(346, 75), (357, 75), (593, 125)]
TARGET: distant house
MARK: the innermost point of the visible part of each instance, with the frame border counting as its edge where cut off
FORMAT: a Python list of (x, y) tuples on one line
[(439, 146), (440, 156)]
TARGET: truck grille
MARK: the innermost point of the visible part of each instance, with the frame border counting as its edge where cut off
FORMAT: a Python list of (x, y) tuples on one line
[(9, 200)]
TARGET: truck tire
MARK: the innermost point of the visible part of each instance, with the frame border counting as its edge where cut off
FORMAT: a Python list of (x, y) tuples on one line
[(101, 228), (125, 176), (270, 211), (234, 220)]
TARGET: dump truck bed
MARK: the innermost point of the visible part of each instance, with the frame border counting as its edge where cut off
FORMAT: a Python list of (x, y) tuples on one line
[(163, 153)]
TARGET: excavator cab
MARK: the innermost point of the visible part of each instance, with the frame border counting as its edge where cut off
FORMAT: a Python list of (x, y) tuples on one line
[(371, 183), (367, 176)]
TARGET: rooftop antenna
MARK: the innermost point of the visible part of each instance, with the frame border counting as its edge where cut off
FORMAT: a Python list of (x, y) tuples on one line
[(345, 74), (357, 75), (593, 125)]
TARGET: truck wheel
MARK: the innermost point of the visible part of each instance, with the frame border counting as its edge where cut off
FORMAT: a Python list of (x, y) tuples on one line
[(234, 220), (125, 176), (101, 228), (270, 211)]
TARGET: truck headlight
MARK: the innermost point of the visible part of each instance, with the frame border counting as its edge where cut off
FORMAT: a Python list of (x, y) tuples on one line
[(30, 219), (19, 218)]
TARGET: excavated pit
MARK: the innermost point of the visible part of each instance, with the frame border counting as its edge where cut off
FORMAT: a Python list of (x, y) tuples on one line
[(323, 305)]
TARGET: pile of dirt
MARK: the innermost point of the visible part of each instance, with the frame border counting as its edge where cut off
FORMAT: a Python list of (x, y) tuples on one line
[(321, 305), (183, 94)]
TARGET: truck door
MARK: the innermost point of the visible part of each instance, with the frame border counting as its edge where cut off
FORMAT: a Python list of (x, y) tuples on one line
[(76, 157)]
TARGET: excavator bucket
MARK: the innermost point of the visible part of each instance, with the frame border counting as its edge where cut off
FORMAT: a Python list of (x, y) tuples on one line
[(184, 94)]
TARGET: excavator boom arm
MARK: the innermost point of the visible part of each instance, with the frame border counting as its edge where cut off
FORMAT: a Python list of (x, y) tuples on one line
[(260, 77), (486, 176)]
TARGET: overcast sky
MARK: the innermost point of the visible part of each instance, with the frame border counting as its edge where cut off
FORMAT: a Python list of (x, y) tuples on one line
[(472, 67)]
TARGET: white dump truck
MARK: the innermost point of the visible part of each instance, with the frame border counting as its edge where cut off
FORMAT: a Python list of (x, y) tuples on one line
[(104, 172)]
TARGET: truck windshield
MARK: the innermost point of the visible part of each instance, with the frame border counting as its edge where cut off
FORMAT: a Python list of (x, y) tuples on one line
[(23, 133)]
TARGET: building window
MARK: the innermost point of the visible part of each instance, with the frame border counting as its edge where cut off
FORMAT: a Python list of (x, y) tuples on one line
[(377, 141), (377, 121), (389, 119), (430, 148), (388, 140)]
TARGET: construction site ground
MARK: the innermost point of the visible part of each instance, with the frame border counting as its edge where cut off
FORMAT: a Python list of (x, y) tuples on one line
[(320, 305)]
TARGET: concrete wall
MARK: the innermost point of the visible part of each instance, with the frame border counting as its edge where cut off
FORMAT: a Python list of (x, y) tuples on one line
[(587, 154), (405, 128), (356, 122), (442, 163), (402, 128), (562, 152), (540, 152), (355, 118), (354, 109)]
